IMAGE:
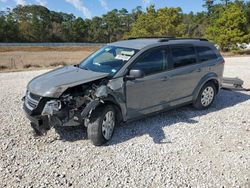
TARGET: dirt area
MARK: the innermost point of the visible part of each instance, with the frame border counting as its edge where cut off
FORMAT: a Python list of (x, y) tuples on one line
[(19, 58), (179, 148)]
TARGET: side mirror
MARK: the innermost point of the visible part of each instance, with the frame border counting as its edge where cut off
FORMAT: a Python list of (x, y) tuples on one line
[(133, 74)]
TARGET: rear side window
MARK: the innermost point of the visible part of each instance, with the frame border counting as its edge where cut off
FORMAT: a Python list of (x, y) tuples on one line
[(183, 56), (205, 53), (151, 63)]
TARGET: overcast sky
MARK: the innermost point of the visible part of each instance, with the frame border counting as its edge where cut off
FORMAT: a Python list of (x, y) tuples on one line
[(90, 8)]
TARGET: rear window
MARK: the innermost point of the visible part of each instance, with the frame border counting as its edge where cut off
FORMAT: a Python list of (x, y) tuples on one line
[(205, 53), (183, 56)]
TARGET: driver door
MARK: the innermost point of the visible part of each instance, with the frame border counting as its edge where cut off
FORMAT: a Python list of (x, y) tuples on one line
[(146, 95)]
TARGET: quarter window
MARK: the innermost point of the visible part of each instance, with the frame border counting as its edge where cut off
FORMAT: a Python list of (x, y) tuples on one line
[(183, 55), (153, 62), (206, 53)]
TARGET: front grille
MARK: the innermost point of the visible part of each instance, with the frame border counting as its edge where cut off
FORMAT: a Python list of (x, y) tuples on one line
[(31, 100), (32, 104), (34, 96)]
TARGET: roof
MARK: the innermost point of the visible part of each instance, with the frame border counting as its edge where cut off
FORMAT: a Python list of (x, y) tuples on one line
[(135, 43), (141, 43)]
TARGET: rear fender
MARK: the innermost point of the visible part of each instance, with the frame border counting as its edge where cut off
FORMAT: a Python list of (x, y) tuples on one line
[(203, 81)]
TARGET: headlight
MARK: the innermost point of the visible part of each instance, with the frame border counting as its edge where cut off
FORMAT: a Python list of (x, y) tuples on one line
[(51, 107)]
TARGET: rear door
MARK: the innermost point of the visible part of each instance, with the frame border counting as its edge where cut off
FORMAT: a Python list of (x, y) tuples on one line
[(184, 74), (208, 57)]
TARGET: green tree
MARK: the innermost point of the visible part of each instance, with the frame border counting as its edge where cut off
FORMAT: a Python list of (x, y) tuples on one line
[(227, 23), (8, 27), (163, 22), (33, 22), (247, 12), (195, 24), (111, 23), (136, 12), (2, 27), (79, 30), (66, 26), (97, 31), (228, 28), (225, 2), (116, 23), (208, 4), (126, 21)]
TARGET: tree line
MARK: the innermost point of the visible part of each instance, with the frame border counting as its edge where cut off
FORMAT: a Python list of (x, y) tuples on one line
[(227, 23)]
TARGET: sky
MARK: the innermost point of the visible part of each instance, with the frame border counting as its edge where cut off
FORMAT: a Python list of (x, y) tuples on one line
[(91, 8)]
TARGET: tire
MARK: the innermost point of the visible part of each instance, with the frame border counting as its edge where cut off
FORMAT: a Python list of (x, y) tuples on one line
[(206, 96), (40, 130), (98, 131)]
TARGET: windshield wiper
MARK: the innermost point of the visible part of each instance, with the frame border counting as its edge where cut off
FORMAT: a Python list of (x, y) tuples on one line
[(84, 68)]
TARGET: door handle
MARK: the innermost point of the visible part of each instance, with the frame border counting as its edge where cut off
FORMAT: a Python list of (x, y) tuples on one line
[(165, 78)]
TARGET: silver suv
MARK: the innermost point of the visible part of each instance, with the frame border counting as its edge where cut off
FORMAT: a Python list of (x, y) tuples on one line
[(124, 81)]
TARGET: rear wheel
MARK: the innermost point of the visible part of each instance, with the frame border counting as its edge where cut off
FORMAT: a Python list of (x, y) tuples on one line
[(102, 124), (206, 96)]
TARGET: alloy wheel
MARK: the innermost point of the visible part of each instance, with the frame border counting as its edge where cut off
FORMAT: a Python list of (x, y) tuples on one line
[(207, 96), (108, 125)]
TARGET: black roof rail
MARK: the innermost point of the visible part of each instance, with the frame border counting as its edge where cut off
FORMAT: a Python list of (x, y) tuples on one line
[(168, 39), (151, 37)]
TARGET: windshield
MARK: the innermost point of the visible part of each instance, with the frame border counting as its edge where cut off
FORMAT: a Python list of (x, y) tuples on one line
[(108, 59)]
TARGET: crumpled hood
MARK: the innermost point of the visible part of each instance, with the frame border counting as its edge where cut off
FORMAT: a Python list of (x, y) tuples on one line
[(54, 83)]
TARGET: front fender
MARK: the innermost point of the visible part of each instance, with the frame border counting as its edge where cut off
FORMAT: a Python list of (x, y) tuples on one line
[(118, 103), (114, 92)]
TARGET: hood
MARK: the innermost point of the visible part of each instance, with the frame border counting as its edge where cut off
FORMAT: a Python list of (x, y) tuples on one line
[(54, 83)]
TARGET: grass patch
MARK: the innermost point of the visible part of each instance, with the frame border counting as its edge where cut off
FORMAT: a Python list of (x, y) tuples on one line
[(3, 67), (57, 64), (241, 52), (48, 48), (236, 53), (27, 66)]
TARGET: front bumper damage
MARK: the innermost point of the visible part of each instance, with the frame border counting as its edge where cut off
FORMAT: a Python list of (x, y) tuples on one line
[(48, 113)]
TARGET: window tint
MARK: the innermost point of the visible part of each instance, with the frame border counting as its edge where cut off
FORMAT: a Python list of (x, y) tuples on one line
[(183, 55), (206, 53), (152, 63)]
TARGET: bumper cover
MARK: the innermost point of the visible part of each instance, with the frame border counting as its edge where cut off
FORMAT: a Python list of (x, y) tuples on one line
[(38, 120)]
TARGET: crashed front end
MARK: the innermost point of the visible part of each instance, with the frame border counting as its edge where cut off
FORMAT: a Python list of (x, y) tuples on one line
[(72, 108)]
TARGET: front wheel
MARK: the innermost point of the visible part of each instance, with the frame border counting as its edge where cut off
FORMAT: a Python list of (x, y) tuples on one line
[(205, 97), (101, 126)]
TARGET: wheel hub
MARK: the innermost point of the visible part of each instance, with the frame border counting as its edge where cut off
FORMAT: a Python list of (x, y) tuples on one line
[(108, 125), (207, 96)]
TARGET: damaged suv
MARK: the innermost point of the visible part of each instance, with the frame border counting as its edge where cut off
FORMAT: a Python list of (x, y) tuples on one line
[(125, 80)]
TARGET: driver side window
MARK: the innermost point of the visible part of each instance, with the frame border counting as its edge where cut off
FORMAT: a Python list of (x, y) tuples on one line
[(153, 62)]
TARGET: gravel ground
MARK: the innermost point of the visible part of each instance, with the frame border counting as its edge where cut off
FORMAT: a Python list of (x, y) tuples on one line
[(178, 148)]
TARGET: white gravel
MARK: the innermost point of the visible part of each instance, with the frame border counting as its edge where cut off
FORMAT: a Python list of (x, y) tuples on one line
[(178, 148)]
